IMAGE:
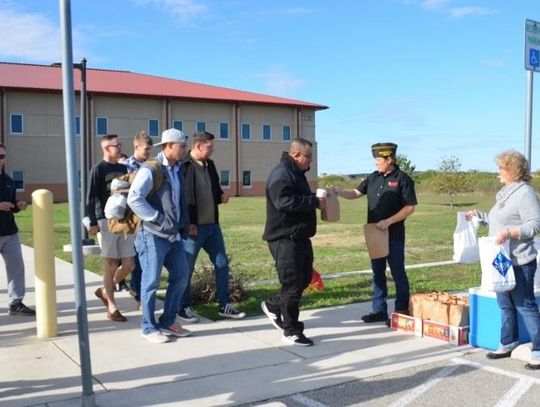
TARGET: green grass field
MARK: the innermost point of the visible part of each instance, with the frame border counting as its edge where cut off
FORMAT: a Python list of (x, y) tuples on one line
[(339, 247)]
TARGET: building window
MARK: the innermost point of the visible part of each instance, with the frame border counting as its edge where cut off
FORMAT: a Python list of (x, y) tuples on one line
[(267, 132), (78, 125), (18, 179), (246, 179), (16, 124), (224, 130), (153, 127), (101, 126), (246, 131), (177, 124), (286, 133), (201, 126), (224, 178)]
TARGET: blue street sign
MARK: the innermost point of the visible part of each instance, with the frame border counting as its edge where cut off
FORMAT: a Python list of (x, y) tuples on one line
[(534, 57), (532, 45)]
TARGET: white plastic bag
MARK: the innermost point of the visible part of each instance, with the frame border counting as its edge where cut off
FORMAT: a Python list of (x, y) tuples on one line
[(465, 241), (497, 270), (115, 207)]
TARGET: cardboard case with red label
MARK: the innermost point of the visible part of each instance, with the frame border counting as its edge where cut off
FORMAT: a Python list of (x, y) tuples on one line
[(406, 323), (452, 334)]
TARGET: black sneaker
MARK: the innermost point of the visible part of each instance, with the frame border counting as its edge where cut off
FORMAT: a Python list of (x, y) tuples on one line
[(188, 315), (298, 340), (274, 319), (228, 311), (374, 317), (21, 309)]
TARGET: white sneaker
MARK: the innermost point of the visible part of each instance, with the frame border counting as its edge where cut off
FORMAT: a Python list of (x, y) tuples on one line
[(274, 319), (228, 311), (188, 315), (155, 337)]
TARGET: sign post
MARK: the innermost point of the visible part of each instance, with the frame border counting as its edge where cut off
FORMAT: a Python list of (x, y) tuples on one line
[(532, 64)]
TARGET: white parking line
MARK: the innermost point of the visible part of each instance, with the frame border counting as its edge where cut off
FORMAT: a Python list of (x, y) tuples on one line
[(514, 394), (419, 390), (306, 401), (496, 370)]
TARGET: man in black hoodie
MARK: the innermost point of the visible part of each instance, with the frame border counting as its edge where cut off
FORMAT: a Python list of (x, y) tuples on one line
[(290, 222), (10, 245)]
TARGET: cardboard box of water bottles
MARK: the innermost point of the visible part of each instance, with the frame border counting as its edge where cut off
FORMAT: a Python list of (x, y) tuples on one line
[(437, 315)]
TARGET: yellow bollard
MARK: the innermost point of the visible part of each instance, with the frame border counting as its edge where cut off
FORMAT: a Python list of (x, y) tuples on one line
[(45, 279)]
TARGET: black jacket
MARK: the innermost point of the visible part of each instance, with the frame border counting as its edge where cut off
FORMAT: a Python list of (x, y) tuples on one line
[(7, 193), (191, 194), (290, 204), (99, 188)]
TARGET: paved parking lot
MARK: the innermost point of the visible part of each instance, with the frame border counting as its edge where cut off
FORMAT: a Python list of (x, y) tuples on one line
[(471, 380)]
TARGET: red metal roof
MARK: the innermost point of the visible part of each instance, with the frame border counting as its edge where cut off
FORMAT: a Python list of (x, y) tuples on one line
[(100, 81)]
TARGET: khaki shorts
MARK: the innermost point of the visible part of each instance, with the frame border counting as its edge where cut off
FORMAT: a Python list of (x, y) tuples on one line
[(114, 246)]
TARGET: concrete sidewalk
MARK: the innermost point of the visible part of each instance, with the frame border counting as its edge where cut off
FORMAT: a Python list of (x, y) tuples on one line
[(223, 363)]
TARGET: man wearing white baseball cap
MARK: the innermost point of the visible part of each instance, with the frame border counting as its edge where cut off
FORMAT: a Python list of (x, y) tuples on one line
[(165, 220)]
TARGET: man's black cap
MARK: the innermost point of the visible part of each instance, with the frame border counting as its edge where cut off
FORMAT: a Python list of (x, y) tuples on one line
[(383, 150)]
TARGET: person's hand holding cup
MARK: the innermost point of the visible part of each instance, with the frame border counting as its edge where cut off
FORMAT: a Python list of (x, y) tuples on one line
[(321, 195)]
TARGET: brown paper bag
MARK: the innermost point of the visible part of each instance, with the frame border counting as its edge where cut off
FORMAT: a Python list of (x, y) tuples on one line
[(428, 306), (440, 312), (458, 314), (377, 241), (443, 297), (415, 305), (330, 213)]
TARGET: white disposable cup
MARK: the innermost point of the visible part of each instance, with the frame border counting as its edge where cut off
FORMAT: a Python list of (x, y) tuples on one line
[(86, 223), (321, 193)]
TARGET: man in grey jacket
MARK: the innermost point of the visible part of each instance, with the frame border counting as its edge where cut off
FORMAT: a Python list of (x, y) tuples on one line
[(165, 218)]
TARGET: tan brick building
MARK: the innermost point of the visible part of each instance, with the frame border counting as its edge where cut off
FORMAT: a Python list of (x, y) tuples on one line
[(251, 129)]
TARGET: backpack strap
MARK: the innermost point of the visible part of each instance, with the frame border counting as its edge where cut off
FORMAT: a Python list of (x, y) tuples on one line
[(157, 172)]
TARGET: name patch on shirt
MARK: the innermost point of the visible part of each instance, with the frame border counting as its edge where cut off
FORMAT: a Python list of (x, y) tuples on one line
[(392, 184)]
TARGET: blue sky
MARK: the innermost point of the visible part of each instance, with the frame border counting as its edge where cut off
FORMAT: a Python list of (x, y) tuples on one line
[(437, 77)]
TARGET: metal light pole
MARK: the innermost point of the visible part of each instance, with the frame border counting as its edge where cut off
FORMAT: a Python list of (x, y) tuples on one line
[(528, 117), (88, 398), (84, 148), (83, 164)]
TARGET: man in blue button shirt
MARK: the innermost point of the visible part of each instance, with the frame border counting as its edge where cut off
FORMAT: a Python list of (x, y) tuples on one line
[(159, 241)]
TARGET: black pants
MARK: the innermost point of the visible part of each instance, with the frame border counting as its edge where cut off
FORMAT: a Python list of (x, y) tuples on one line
[(294, 265)]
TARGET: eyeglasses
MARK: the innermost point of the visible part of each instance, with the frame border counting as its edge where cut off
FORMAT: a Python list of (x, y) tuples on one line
[(308, 156), (2, 156), (117, 145)]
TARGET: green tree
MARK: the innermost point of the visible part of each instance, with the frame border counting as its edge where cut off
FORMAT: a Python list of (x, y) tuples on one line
[(449, 180), (406, 166)]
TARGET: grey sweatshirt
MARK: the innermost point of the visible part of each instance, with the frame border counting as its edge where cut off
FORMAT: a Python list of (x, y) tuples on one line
[(516, 205)]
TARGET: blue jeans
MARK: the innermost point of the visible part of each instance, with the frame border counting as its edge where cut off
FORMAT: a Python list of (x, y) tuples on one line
[(396, 261), (520, 299), (210, 238), (154, 253), (135, 281)]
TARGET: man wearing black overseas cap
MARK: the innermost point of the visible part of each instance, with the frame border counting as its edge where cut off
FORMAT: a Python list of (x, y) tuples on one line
[(391, 199)]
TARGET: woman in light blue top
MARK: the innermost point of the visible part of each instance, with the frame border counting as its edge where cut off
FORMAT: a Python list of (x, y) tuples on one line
[(516, 217)]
